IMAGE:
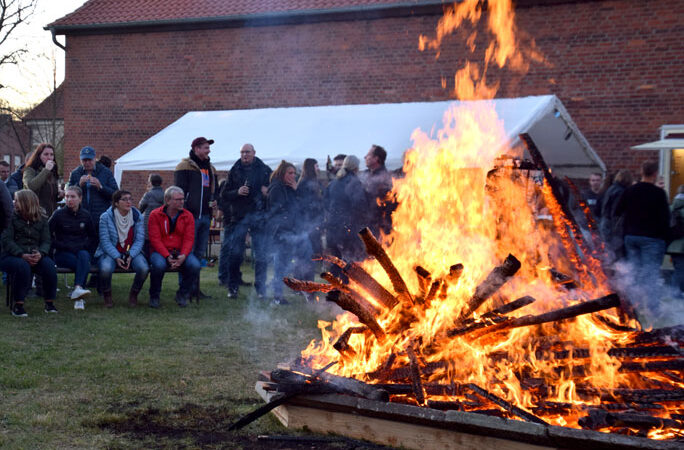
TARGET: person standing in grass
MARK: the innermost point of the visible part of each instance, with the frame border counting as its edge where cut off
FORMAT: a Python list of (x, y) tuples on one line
[(122, 236), (74, 241), (41, 176), (172, 234), (25, 249)]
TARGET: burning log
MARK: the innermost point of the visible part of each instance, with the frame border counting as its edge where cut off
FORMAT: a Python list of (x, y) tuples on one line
[(432, 293), (361, 311), (424, 280), (496, 278), (652, 366), (598, 419), (609, 301), (307, 286), (358, 274), (351, 386), (505, 405), (415, 376), (341, 286), (562, 279), (510, 307), (342, 343), (373, 248), (612, 325)]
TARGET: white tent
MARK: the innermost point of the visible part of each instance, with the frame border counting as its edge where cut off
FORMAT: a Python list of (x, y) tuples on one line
[(294, 134)]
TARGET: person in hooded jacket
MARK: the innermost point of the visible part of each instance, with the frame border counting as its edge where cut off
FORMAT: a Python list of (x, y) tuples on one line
[(41, 176), (288, 240), (74, 241), (245, 196), (197, 177), (346, 211), (122, 236)]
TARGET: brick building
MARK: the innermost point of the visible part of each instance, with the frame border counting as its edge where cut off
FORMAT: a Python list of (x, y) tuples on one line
[(46, 124), (133, 67), (14, 141)]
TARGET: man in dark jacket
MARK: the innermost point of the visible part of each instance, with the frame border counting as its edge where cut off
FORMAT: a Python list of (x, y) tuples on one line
[(245, 196), (377, 183), (646, 213), (197, 177), (96, 182)]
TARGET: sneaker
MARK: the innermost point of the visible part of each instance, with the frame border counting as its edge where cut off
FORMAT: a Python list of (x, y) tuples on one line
[(232, 293), (50, 307), (79, 304), (154, 303), (78, 293), (280, 301), (18, 310)]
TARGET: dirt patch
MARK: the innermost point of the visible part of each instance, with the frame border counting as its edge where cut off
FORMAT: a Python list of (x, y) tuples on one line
[(192, 426)]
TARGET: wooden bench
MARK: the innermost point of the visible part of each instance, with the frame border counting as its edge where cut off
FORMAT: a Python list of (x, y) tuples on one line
[(66, 271)]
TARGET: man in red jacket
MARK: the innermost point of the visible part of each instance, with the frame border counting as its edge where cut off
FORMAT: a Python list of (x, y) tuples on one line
[(171, 231)]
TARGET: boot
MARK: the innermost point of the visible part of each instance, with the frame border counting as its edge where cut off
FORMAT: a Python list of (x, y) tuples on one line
[(133, 298), (108, 301)]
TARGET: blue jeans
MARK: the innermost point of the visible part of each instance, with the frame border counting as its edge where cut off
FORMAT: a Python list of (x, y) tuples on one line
[(646, 255), (678, 276), (202, 228), (78, 262), (237, 233), (22, 274), (158, 265), (106, 267)]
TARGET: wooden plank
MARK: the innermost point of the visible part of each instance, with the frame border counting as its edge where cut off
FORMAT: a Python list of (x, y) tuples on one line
[(389, 432)]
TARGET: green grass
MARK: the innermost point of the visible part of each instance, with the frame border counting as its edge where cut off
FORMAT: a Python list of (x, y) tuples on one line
[(138, 377)]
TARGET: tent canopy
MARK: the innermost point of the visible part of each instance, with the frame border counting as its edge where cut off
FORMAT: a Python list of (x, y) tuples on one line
[(663, 144), (294, 134)]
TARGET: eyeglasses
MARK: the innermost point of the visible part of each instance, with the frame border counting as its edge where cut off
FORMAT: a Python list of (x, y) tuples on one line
[(126, 199)]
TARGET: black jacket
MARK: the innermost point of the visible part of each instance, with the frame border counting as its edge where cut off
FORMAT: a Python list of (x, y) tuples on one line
[(282, 209), (72, 231), (346, 210), (255, 176), (646, 211), (199, 192), (22, 236)]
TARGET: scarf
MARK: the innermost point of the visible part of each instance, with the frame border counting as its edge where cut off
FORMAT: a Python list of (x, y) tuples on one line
[(123, 225)]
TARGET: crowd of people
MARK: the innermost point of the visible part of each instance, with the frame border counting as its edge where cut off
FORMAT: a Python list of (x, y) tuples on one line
[(283, 216), (638, 226), (286, 218)]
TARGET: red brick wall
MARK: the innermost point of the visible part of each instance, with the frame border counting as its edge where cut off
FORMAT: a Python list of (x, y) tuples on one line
[(616, 65)]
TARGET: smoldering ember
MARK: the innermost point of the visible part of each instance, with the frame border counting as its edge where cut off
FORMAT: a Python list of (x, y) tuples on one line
[(486, 314)]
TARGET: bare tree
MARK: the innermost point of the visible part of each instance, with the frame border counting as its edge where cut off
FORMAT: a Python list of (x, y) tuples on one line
[(12, 14)]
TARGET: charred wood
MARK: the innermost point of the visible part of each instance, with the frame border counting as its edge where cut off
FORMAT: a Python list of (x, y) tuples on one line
[(307, 286), (505, 404), (350, 385), (562, 279), (404, 373), (652, 366), (675, 334), (591, 306), (424, 280), (373, 248), (342, 286), (612, 325), (342, 343), (359, 275), (432, 293), (598, 419), (416, 383), (361, 311), (444, 405), (496, 278)]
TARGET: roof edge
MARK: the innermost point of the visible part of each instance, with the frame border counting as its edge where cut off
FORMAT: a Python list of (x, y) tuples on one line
[(367, 12)]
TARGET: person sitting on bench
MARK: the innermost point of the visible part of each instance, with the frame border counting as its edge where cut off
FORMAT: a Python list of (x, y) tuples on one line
[(74, 241), (122, 236), (172, 234), (25, 248)]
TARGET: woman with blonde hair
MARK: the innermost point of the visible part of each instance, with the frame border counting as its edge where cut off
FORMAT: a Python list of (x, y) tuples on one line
[(41, 176), (25, 248)]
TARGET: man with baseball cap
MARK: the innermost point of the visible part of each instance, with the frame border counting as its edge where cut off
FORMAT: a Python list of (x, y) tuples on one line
[(197, 177), (96, 182)]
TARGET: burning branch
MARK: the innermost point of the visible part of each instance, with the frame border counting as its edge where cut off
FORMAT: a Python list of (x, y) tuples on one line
[(364, 315)]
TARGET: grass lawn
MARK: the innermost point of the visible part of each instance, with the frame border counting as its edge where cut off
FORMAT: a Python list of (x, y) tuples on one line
[(144, 378)]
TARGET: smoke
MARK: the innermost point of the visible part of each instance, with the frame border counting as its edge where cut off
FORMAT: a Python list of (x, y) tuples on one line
[(658, 304)]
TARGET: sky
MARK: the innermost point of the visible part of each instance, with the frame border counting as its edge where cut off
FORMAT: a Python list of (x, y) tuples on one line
[(29, 82)]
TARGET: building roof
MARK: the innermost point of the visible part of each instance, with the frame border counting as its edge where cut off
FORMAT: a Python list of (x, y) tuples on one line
[(111, 12), (47, 109)]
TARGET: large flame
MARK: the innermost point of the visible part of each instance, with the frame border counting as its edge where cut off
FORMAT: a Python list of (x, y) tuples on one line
[(453, 209)]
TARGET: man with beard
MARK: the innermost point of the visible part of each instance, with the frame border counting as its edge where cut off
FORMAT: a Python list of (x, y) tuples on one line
[(197, 178), (245, 197)]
